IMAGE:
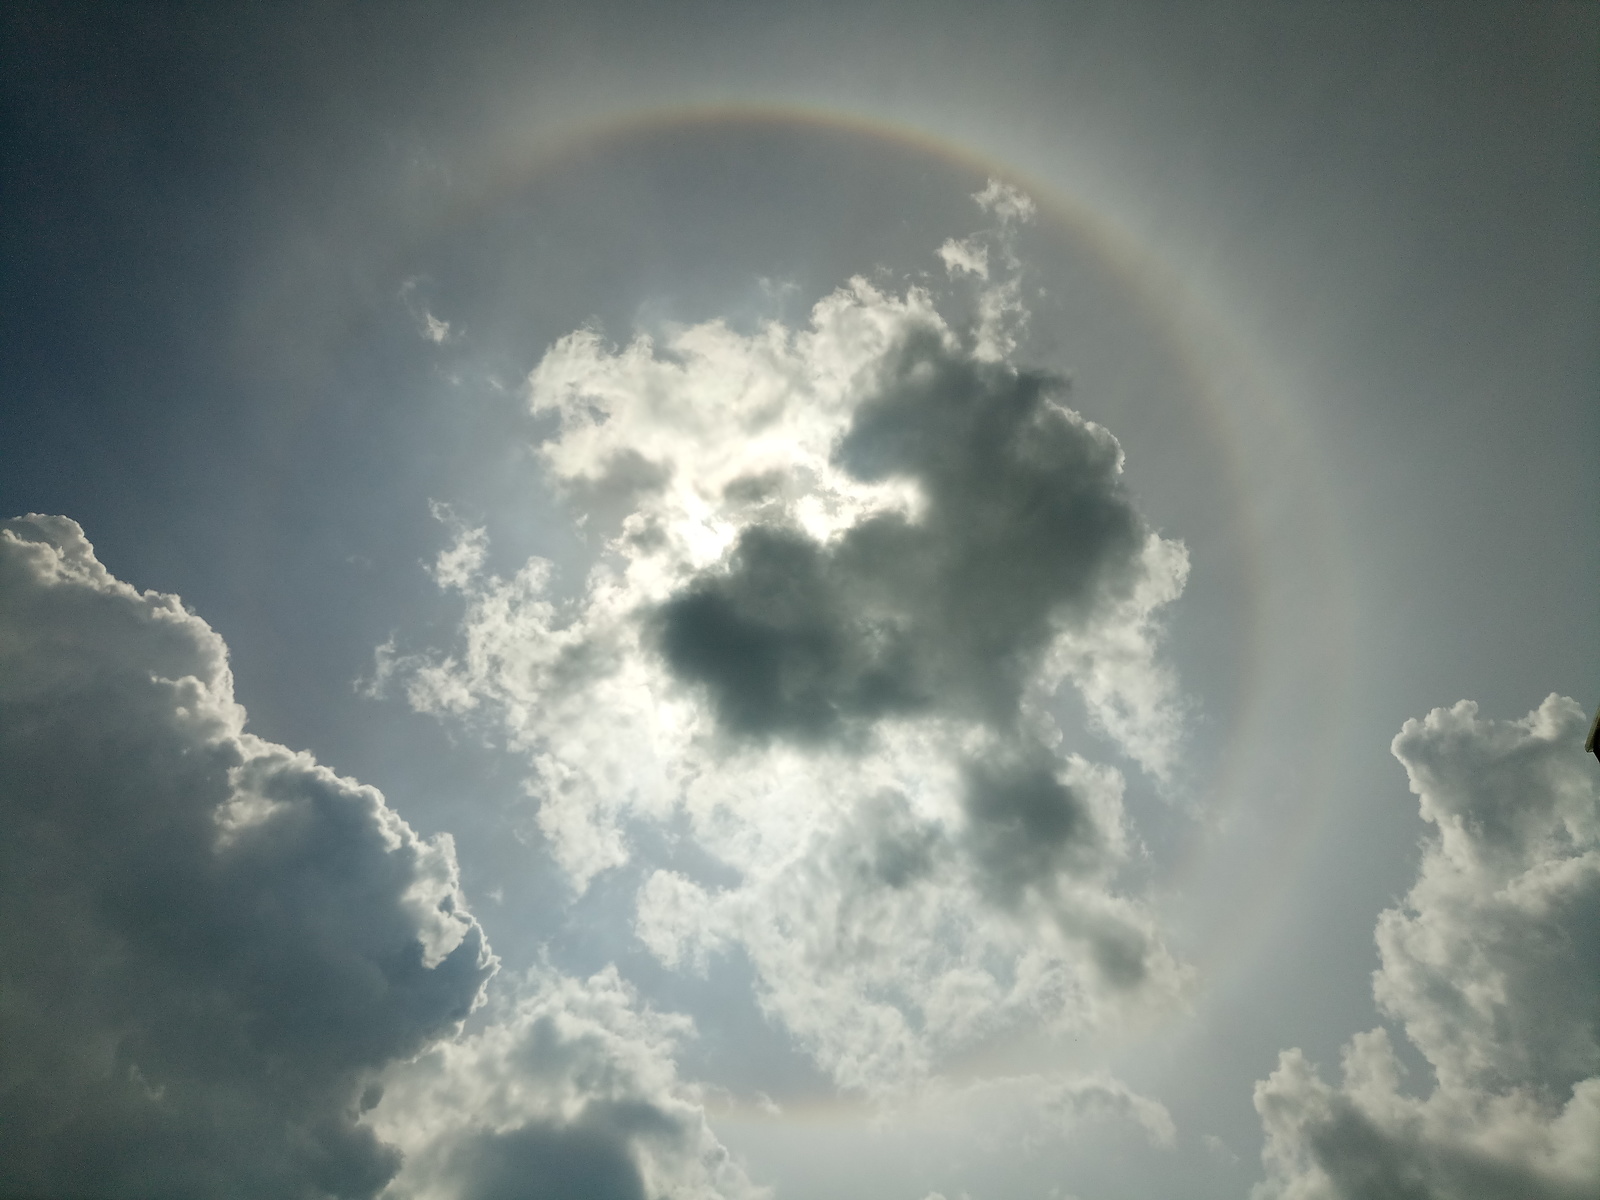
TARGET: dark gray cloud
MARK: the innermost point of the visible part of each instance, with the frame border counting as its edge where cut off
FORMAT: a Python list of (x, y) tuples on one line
[(1031, 834), (1026, 827), (589, 1158), (212, 945), (1365, 1160), (549, 1163), (1024, 528), (887, 843), (617, 490)]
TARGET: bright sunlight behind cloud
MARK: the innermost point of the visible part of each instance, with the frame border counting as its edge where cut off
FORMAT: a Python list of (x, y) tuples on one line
[(846, 569)]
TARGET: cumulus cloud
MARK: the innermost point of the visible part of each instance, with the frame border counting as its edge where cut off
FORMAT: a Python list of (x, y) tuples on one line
[(1490, 965), (214, 945), (900, 926), (843, 572), (569, 1090), (230, 972), (1020, 532)]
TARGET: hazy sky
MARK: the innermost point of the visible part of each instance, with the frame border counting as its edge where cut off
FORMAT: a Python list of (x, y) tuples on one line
[(871, 601)]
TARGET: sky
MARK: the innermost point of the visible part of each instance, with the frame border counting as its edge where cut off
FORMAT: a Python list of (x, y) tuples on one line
[(880, 601)]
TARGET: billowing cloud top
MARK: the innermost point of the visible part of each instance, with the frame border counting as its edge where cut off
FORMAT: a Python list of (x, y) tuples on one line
[(1489, 967), (845, 570), (230, 972), (213, 944), (569, 1089)]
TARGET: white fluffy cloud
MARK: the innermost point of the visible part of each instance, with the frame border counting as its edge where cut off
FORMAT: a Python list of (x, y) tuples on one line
[(1492, 966), (230, 972), (570, 1090), (845, 570), (896, 928)]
